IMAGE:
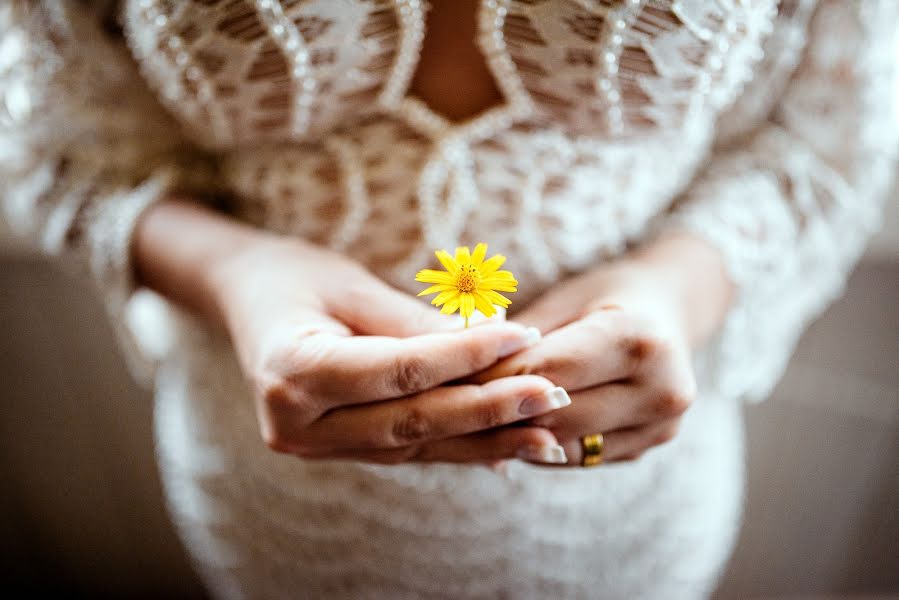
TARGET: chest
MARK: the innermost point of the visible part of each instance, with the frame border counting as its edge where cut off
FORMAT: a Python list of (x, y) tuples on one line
[(252, 71)]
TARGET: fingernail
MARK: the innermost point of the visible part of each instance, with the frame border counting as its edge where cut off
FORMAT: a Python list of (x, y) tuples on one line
[(544, 454), (544, 402), (512, 345)]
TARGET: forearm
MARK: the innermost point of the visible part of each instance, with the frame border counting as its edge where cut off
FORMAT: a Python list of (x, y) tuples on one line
[(694, 272), (177, 248)]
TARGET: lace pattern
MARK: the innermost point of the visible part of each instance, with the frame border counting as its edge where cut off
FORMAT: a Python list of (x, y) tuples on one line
[(595, 95), (315, 136), (620, 120), (79, 166), (792, 206)]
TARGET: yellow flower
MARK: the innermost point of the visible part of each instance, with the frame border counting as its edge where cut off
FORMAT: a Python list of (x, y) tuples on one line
[(469, 282)]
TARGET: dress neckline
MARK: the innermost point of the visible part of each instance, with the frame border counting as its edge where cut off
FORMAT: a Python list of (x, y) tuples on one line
[(515, 103)]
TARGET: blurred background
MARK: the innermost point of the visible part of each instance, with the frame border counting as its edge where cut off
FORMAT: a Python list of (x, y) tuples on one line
[(81, 507)]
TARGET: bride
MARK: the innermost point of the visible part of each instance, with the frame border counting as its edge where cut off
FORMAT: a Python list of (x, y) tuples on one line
[(679, 186)]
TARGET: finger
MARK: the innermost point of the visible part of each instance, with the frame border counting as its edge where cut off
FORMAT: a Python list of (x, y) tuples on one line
[(339, 371), (436, 414), (534, 443), (624, 444), (610, 407), (531, 443), (372, 307), (603, 408), (582, 354)]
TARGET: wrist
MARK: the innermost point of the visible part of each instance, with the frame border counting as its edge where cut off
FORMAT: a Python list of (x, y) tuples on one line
[(235, 266), (694, 276), (182, 250)]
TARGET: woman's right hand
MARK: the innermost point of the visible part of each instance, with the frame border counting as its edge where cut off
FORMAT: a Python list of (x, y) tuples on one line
[(344, 366)]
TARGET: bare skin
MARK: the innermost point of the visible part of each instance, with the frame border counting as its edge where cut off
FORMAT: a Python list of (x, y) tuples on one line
[(451, 61), (346, 367)]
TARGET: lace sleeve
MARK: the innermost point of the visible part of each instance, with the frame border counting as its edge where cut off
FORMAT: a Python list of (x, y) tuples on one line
[(792, 205), (84, 148)]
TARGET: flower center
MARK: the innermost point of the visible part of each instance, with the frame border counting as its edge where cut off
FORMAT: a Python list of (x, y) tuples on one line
[(467, 280)]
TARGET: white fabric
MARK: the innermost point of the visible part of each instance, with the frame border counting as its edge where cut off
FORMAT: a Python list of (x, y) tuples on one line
[(769, 128)]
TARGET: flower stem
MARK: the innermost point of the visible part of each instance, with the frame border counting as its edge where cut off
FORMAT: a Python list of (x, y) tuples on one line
[(466, 322)]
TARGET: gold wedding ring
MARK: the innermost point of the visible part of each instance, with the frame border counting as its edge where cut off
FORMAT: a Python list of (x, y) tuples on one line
[(593, 446)]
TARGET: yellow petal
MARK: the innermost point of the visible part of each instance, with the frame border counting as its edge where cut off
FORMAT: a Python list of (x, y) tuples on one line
[(440, 287), (492, 264), (498, 285), (466, 305), (451, 306), (432, 276), (498, 288), (483, 305), (502, 275), (448, 262), (446, 296), (463, 255), (477, 257), (495, 298), (506, 279)]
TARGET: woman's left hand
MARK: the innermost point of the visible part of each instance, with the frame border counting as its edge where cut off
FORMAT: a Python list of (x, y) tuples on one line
[(618, 339)]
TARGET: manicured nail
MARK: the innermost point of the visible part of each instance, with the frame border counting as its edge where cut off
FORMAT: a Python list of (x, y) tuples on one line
[(544, 402), (544, 454), (530, 336)]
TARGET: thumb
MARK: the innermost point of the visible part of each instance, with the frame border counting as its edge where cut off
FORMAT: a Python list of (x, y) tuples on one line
[(375, 308)]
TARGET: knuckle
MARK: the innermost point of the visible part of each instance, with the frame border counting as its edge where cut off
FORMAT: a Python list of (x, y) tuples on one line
[(270, 387), (410, 427), (276, 442), (411, 375), (671, 403), (277, 393), (491, 414), (638, 349), (561, 367), (281, 396), (478, 355)]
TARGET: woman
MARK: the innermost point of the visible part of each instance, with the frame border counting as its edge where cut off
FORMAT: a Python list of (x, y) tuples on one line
[(680, 187)]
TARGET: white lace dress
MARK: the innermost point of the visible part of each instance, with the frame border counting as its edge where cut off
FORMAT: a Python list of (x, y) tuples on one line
[(769, 128)]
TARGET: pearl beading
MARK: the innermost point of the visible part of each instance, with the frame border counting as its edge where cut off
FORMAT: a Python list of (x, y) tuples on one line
[(446, 188), (450, 166), (288, 38), (491, 21), (609, 57), (720, 42), (356, 195), (174, 93), (412, 24)]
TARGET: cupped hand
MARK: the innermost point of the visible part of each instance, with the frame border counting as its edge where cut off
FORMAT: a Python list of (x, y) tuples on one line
[(615, 339), (344, 366)]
